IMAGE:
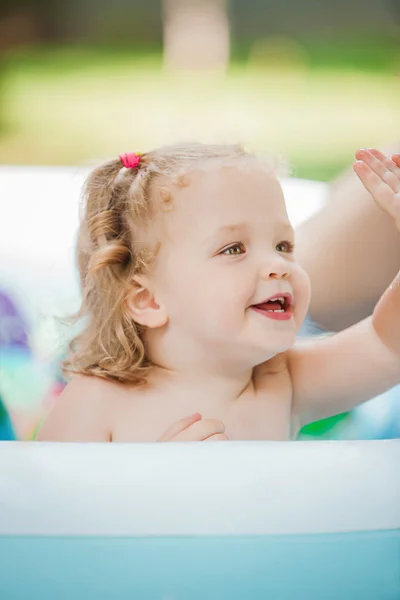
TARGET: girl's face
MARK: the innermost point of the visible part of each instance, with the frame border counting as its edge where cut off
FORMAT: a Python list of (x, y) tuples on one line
[(228, 248)]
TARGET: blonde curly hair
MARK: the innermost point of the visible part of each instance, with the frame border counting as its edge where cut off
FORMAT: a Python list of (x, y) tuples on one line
[(117, 204)]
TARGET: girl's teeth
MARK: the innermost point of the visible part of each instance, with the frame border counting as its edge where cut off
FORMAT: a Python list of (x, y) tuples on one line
[(277, 310)]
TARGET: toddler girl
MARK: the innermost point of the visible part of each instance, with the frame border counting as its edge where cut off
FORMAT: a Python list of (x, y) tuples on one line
[(191, 301)]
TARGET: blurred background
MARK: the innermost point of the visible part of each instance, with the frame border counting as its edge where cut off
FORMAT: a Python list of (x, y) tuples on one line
[(313, 79), (84, 79)]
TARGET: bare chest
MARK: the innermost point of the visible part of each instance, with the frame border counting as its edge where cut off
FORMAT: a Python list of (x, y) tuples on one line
[(263, 414)]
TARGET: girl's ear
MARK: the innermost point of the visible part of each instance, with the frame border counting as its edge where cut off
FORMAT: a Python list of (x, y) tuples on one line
[(142, 307)]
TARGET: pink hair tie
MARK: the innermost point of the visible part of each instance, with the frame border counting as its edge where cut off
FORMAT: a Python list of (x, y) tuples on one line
[(130, 160)]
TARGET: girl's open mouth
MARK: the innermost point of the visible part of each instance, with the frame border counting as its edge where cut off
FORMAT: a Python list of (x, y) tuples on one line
[(278, 307)]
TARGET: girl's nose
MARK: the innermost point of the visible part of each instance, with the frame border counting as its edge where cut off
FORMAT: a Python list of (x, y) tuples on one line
[(279, 275), (279, 269)]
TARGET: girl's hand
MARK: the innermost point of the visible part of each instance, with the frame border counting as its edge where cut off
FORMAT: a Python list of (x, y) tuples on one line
[(381, 177), (195, 429)]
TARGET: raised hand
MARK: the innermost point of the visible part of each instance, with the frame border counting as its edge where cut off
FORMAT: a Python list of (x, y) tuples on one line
[(381, 177), (195, 429)]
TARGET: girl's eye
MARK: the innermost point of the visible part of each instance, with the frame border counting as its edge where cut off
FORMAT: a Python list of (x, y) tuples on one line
[(234, 250), (285, 246)]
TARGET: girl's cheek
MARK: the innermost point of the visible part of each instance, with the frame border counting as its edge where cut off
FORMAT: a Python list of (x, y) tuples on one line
[(302, 293)]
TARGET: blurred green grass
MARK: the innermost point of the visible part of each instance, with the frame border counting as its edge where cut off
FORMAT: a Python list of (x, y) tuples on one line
[(71, 105)]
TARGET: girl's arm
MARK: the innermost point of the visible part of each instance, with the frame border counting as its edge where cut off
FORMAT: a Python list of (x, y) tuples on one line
[(353, 257), (334, 374)]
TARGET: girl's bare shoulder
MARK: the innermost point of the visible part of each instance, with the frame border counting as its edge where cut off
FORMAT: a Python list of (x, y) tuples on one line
[(83, 412)]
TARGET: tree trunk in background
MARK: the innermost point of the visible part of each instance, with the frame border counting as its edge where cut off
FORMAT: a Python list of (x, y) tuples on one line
[(196, 34)]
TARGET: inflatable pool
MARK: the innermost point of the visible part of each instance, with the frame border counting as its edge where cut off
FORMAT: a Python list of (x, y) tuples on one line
[(168, 521), (238, 520)]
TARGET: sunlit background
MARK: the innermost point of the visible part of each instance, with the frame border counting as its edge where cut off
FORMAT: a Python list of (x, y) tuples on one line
[(311, 79), (83, 79)]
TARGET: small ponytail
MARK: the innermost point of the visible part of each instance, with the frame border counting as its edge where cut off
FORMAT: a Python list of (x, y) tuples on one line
[(110, 345)]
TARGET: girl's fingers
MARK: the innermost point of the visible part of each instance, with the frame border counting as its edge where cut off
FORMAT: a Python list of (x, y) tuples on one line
[(179, 426), (201, 431), (193, 429), (218, 437), (396, 159), (388, 162), (373, 183), (379, 189), (382, 165)]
